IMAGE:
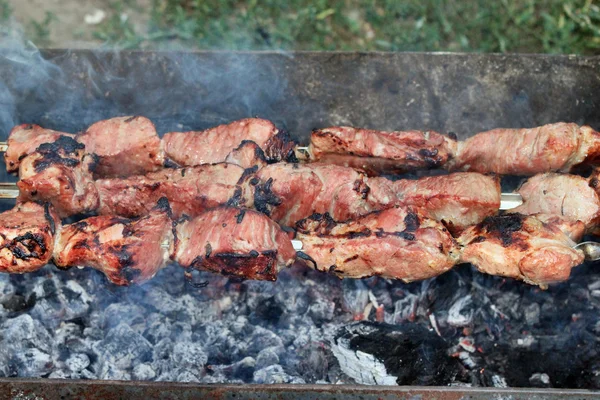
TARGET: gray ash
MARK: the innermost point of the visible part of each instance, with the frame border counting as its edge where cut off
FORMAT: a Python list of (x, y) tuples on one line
[(462, 328)]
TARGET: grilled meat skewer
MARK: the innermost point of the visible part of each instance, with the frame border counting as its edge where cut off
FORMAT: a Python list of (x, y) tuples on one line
[(402, 244), (130, 145), (131, 251), (555, 147), (398, 243), (125, 146)]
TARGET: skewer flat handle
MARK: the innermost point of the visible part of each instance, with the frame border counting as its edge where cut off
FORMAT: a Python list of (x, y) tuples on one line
[(510, 200), (3, 147), (8, 191)]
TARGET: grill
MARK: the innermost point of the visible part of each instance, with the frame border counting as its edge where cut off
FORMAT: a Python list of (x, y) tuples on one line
[(462, 328)]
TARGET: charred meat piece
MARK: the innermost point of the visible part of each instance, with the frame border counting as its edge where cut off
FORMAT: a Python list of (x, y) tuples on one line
[(27, 237), (59, 173), (378, 151), (568, 196), (24, 139), (213, 145), (291, 192), (234, 241), (127, 251), (553, 147), (124, 146), (398, 243), (458, 200), (247, 155), (521, 247), (190, 191)]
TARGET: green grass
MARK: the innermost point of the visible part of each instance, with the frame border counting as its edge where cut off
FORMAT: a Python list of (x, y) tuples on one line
[(546, 26)]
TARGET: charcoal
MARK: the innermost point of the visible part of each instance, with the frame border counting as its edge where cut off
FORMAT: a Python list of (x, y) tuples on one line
[(121, 348), (244, 369), (118, 313), (321, 310), (386, 354), (312, 365), (187, 376), (267, 309), (539, 380), (32, 363), (262, 338), (111, 372), (158, 327), (143, 372), (266, 357), (77, 362), (274, 374), (7, 289), (189, 355), (23, 332), (405, 309), (494, 332), (532, 313)]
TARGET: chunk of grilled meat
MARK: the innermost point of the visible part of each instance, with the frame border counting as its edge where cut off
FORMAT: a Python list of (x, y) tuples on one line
[(124, 146), (377, 151), (234, 241), (190, 191), (568, 196), (290, 192), (27, 237), (549, 148), (24, 139), (214, 145), (59, 173), (458, 200), (521, 247), (247, 155), (127, 251), (398, 243)]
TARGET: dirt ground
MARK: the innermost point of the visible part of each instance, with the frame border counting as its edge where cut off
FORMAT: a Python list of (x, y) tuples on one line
[(70, 29)]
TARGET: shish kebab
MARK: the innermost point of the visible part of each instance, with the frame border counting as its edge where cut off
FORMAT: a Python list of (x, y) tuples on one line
[(288, 192), (397, 243), (130, 145)]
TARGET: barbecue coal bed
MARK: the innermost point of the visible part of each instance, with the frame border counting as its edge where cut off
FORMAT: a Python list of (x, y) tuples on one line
[(70, 334)]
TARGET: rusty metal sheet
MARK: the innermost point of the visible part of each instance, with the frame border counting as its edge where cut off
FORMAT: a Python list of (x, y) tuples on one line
[(49, 389)]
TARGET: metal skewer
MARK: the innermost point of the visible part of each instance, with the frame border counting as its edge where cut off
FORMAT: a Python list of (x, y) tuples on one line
[(508, 201), (8, 190), (591, 250)]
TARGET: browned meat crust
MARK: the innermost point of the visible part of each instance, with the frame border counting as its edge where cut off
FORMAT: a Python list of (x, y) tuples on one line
[(458, 200), (59, 173), (568, 196), (234, 241), (379, 151), (247, 155), (214, 145), (24, 139), (398, 243), (124, 146), (553, 147), (521, 247), (190, 191), (126, 251), (27, 237), (291, 192)]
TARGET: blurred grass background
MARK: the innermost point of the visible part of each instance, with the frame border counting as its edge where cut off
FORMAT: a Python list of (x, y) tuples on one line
[(546, 26)]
